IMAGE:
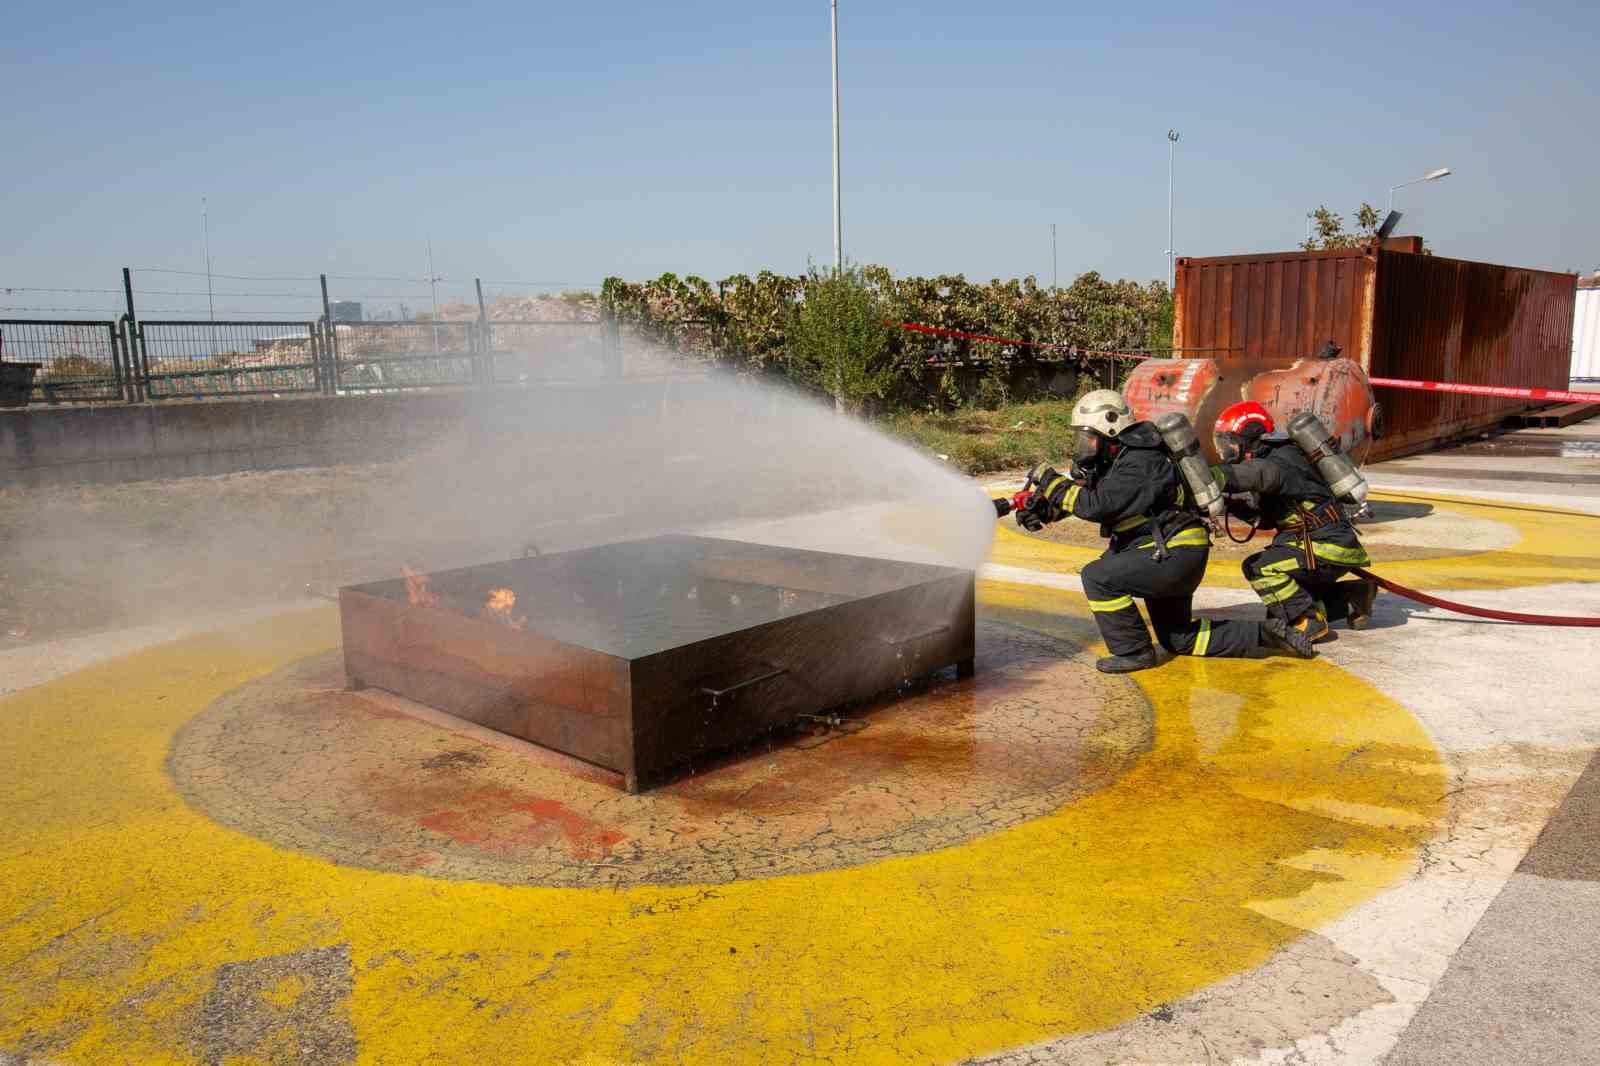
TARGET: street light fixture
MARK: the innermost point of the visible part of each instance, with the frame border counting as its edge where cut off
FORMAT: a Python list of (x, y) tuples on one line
[(1432, 175)]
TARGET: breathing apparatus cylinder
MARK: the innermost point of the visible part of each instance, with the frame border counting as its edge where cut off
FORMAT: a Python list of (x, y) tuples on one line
[(1322, 448), (1177, 433)]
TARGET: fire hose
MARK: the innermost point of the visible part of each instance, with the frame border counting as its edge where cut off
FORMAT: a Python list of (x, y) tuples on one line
[(1479, 612)]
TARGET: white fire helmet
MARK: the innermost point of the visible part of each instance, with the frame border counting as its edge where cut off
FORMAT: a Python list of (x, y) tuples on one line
[(1104, 411)]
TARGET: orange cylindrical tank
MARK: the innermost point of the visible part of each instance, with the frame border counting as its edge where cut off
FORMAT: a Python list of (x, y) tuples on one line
[(1157, 386), (1336, 390)]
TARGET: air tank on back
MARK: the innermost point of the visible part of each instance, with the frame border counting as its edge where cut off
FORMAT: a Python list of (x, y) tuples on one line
[(1332, 388)]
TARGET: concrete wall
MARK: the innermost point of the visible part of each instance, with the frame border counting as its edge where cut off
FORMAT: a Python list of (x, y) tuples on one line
[(132, 443)]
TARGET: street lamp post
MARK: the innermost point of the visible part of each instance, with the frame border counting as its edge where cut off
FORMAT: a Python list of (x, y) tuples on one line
[(838, 236), (1432, 175), (1172, 269)]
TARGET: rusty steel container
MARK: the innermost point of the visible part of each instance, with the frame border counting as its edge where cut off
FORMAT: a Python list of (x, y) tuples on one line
[(1396, 314)]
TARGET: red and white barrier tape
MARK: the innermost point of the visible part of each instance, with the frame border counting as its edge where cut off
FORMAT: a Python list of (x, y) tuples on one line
[(1551, 395), (1556, 395)]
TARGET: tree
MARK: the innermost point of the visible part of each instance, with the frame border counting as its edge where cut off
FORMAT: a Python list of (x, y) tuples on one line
[(837, 340), (1330, 231)]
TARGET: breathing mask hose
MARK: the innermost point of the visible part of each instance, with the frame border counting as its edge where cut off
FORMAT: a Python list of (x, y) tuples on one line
[(1320, 446), (1178, 435)]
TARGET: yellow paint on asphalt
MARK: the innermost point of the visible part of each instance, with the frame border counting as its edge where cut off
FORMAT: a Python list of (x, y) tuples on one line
[(119, 905), (1552, 546)]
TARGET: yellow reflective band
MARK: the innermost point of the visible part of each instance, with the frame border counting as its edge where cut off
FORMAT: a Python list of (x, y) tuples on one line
[(1048, 489), (1271, 581), (1333, 553), (1131, 523), (1338, 553), (1106, 606), (1190, 538), (1203, 640), (1287, 592), (1283, 566), (1181, 496), (1071, 498)]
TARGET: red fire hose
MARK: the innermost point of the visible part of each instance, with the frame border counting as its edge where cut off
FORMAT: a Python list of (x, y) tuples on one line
[(1480, 612)]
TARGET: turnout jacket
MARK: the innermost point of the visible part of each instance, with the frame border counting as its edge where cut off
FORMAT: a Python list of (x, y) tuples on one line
[(1140, 492), (1294, 496)]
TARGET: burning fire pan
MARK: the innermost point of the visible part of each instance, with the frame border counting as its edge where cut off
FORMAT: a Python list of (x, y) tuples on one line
[(643, 656)]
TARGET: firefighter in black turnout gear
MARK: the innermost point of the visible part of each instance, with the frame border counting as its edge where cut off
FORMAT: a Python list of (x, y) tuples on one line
[(1297, 577), (1123, 478)]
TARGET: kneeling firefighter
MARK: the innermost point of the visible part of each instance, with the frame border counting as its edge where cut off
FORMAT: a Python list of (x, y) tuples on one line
[(1297, 481), (1123, 477)]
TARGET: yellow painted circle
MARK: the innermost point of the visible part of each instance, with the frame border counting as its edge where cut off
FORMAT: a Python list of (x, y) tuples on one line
[(296, 760), (133, 928)]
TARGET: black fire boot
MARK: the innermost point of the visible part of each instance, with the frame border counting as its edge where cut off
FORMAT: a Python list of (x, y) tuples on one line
[(1360, 599), (1127, 664), (1275, 633)]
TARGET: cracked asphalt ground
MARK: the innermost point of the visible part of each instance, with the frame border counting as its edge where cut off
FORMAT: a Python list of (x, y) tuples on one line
[(211, 854)]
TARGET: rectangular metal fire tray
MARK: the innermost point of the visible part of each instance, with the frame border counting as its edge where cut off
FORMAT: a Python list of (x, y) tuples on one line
[(644, 656)]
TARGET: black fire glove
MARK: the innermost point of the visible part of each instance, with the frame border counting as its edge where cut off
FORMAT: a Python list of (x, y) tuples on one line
[(1050, 490), (1032, 516)]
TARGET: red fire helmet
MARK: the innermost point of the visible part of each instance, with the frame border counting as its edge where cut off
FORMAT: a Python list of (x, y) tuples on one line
[(1235, 417)]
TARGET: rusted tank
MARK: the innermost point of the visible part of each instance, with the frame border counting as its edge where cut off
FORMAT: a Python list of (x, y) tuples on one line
[(645, 656), (1333, 388), (1396, 314)]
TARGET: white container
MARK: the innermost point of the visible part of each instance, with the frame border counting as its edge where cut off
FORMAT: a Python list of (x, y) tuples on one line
[(1586, 336)]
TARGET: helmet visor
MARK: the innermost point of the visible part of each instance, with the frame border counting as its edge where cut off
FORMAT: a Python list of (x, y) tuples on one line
[(1230, 446), (1086, 444)]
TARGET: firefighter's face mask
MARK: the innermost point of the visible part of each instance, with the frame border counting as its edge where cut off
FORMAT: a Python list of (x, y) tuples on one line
[(1088, 447), (1230, 447)]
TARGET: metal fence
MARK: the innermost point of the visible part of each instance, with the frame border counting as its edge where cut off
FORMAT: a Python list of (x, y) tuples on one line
[(77, 360), (198, 360), (125, 360)]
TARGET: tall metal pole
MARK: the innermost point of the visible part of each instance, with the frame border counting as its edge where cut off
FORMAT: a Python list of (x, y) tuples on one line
[(211, 307), (838, 234), (1052, 257), (435, 294), (205, 222), (1172, 270)]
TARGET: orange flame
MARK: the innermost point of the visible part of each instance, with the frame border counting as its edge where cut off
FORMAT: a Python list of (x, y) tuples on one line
[(499, 607), (417, 590)]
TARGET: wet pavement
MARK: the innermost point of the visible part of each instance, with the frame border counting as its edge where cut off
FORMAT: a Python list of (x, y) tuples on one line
[(214, 853)]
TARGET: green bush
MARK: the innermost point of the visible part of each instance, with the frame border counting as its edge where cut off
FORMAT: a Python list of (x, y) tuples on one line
[(836, 340), (744, 323)]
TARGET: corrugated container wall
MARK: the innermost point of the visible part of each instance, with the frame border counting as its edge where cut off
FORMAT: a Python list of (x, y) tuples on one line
[(1586, 337), (1398, 314)]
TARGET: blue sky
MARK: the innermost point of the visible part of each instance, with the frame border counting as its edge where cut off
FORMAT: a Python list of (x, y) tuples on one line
[(560, 143)]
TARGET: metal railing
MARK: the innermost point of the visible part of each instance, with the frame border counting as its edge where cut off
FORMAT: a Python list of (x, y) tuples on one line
[(199, 360), (404, 355), (78, 360), (132, 358), (125, 361)]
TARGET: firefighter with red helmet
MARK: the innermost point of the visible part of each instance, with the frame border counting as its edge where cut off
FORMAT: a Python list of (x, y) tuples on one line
[(1272, 481), (1123, 478)]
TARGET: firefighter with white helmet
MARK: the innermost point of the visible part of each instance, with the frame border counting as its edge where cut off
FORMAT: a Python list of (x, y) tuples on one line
[(1123, 477)]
